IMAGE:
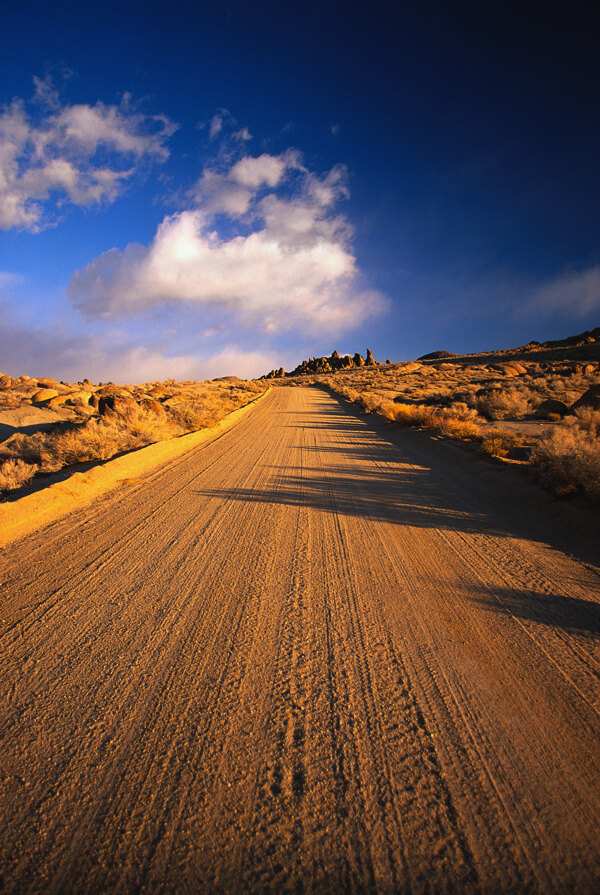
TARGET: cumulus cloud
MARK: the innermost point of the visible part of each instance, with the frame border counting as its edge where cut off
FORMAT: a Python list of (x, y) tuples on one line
[(290, 262), (80, 154), (573, 292), (138, 363), (266, 170), (63, 351)]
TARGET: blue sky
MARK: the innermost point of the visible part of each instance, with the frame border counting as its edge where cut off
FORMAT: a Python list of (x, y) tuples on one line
[(192, 193)]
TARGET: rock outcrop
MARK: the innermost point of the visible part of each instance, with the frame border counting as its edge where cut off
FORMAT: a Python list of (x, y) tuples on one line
[(591, 399), (115, 404), (325, 365), (552, 406), (44, 394)]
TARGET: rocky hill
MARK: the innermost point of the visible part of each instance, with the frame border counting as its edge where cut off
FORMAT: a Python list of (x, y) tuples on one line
[(327, 365)]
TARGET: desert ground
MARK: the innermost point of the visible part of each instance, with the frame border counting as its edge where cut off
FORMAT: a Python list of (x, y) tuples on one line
[(322, 652)]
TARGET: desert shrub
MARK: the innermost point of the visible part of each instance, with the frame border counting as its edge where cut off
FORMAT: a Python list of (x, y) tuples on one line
[(502, 403), (455, 427), (588, 420), (370, 402), (23, 447), (426, 417), (499, 443), (199, 414), (462, 411), (409, 414), (15, 473), (569, 460), (100, 438)]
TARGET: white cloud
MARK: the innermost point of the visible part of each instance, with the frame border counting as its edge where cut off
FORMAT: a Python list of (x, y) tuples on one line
[(574, 292), (64, 352), (266, 170), (216, 124), (231, 191), (216, 193), (243, 134), (141, 364), (258, 276), (291, 263), (81, 154)]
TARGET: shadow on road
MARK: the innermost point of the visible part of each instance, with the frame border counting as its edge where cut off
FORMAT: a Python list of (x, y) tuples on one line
[(375, 470), (554, 610)]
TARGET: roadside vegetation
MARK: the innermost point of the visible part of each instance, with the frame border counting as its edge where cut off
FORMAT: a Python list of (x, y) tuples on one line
[(536, 408), (99, 422)]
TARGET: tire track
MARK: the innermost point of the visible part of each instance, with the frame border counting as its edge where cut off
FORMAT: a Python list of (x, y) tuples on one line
[(307, 658)]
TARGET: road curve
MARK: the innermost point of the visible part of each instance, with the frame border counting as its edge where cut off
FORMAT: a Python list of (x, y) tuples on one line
[(318, 654)]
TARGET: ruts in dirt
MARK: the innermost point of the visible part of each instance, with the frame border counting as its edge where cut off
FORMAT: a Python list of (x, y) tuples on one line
[(317, 654)]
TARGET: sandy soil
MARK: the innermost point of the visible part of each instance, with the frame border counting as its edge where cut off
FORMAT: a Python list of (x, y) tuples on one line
[(29, 419), (319, 654)]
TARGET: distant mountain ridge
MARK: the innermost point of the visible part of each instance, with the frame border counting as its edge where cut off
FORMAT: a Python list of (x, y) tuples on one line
[(584, 338)]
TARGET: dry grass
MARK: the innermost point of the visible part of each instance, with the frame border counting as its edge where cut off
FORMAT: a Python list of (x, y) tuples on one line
[(498, 443), (14, 474), (504, 403), (132, 426), (457, 423), (447, 398), (569, 459)]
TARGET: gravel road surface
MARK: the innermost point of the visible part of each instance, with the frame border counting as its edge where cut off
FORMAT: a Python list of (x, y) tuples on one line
[(317, 654)]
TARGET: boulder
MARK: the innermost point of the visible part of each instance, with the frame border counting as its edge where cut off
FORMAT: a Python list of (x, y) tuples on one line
[(591, 398), (7, 381), (369, 360), (78, 398), (359, 360), (109, 405), (8, 399), (509, 369), (151, 406), (552, 405), (44, 394), (57, 401), (335, 361), (25, 388), (110, 391), (410, 367), (48, 382)]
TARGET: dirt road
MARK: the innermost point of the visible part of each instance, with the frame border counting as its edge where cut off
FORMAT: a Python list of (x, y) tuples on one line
[(318, 654)]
